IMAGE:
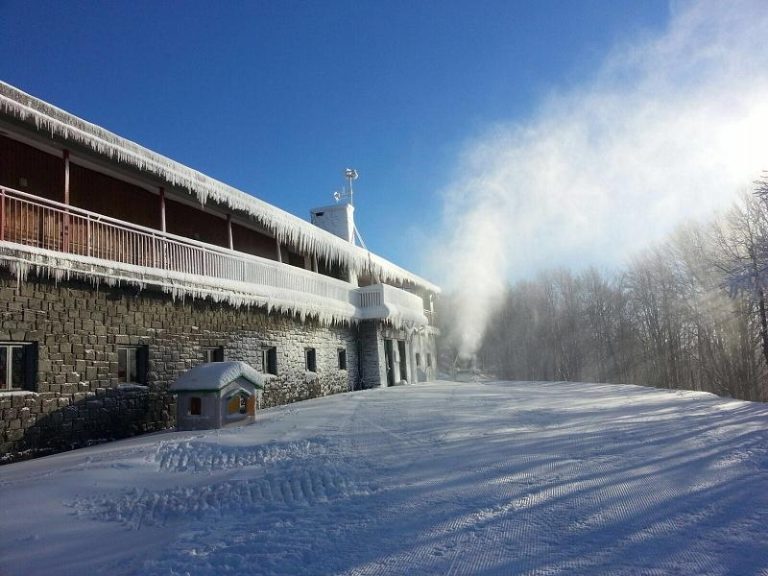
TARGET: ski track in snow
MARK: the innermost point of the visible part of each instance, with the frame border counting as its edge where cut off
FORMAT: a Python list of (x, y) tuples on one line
[(435, 479)]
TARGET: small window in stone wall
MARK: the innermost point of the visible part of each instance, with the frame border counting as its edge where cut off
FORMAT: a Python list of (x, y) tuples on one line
[(195, 406), (214, 354), (18, 366), (342, 359), (269, 360), (429, 360), (418, 359), (310, 359), (132, 364)]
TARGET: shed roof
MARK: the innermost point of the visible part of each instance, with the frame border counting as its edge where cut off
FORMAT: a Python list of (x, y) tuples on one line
[(214, 376)]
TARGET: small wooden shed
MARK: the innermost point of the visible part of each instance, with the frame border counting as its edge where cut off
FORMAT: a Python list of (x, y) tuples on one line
[(217, 394)]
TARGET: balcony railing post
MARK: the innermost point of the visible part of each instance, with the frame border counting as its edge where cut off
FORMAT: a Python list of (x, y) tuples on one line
[(88, 236), (2, 214), (65, 224)]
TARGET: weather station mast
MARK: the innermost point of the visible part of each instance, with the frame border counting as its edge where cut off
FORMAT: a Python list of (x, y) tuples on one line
[(351, 175), (348, 193)]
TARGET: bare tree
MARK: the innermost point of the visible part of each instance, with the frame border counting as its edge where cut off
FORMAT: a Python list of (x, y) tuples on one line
[(690, 313)]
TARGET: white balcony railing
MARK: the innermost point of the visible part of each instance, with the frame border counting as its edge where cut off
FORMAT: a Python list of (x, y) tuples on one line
[(32, 221), (381, 301)]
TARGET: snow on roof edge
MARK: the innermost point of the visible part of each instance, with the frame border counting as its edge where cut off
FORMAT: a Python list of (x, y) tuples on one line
[(215, 376), (23, 260), (286, 227)]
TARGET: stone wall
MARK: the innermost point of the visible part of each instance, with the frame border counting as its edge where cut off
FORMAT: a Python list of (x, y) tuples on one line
[(79, 328), (373, 365)]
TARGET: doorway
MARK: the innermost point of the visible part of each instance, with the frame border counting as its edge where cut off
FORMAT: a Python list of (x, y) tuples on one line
[(403, 360), (389, 354)]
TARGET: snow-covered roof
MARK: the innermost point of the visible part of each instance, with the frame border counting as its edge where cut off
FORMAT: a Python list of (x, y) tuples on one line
[(215, 376), (286, 227)]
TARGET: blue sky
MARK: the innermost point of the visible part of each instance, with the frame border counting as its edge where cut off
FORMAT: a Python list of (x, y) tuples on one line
[(277, 98)]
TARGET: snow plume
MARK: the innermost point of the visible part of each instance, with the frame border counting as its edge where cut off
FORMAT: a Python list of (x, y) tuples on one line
[(671, 127)]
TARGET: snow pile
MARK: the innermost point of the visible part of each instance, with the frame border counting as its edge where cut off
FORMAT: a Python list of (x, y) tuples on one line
[(440, 478)]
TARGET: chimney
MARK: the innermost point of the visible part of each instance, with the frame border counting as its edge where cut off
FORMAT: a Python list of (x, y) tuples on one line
[(338, 219)]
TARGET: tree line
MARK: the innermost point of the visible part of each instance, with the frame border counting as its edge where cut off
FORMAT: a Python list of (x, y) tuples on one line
[(689, 313)]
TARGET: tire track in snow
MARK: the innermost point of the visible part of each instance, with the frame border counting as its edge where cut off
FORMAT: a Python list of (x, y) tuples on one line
[(396, 443), (195, 457), (137, 508)]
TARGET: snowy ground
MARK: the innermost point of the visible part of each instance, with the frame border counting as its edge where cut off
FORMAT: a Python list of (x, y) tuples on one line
[(441, 478)]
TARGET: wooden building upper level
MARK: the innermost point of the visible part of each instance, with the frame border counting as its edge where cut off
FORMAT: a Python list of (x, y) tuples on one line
[(79, 201)]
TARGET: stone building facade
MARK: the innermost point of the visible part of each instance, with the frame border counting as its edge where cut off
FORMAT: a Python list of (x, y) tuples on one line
[(79, 397), (102, 307)]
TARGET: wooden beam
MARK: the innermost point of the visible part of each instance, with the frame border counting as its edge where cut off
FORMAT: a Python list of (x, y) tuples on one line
[(65, 231), (162, 208), (2, 214), (66, 177)]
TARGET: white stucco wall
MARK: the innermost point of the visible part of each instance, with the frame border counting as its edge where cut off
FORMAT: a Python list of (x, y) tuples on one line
[(338, 219)]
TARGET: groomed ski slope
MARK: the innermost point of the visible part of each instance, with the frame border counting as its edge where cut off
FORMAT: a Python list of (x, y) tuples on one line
[(439, 478)]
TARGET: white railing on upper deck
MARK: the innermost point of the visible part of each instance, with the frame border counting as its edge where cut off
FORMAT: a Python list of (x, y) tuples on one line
[(383, 301), (402, 298), (33, 221)]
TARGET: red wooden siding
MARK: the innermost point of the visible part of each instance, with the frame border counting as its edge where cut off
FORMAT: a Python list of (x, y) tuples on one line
[(252, 242), (184, 220), (30, 170), (44, 173), (112, 197), (293, 258)]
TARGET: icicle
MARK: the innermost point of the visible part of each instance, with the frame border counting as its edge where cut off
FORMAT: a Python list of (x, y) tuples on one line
[(287, 228)]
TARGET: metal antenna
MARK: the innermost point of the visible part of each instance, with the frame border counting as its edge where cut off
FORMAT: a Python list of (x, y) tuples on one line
[(348, 192), (350, 174)]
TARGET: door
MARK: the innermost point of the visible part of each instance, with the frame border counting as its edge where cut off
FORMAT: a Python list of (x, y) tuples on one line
[(389, 353), (403, 360)]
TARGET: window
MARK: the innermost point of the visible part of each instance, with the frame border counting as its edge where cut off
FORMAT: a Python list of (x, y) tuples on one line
[(310, 359), (342, 359), (429, 360), (18, 365), (418, 360), (132, 364), (214, 354), (237, 404), (269, 360), (195, 406)]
